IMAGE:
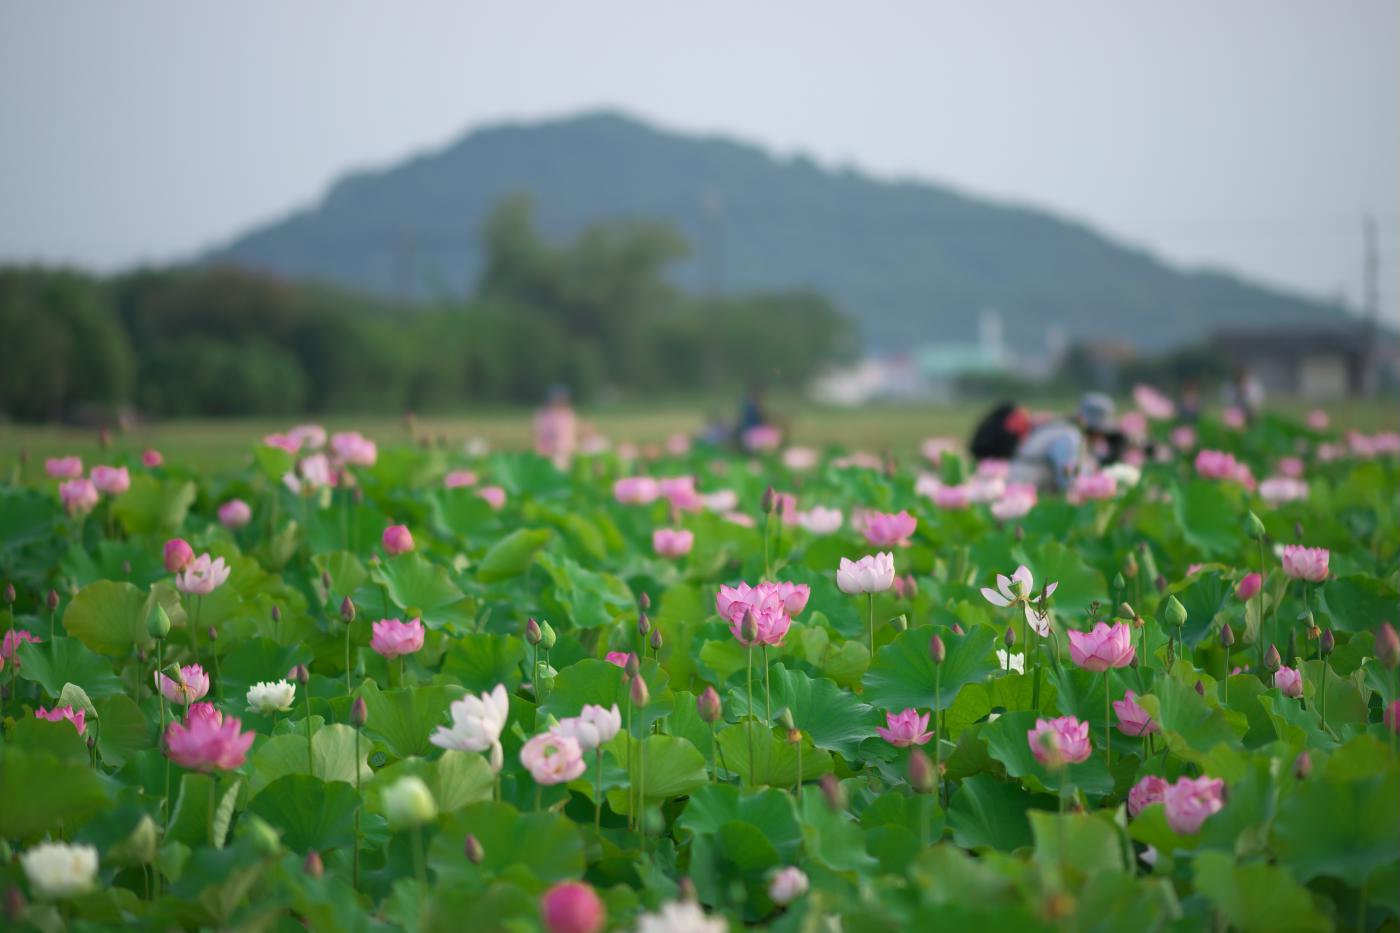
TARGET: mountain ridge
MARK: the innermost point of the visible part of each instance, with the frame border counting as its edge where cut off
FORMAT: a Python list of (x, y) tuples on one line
[(912, 261)]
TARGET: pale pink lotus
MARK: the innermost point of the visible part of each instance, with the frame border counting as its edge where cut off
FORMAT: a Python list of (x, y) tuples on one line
[(1016, 501), (1132, 718), (680, 492), (799, 459), (1319, 420), (1059, 741), (1190, 801), (1104, 647), (1091, 487), (820, 520), (883, 529), (110, 480), (235, 513), (905, 729), (1217, 464), (192, 685), (553, 759), (873, 573), (1306, 563), (494, 496), (1291, 466), (456, 479), (934, 448), (206, 741), (1277, 490), (1153, 403), (1133, 424), (762, 438), (59, 713), (79, 496), (64, 467), (397, 539), (312, 473), (1289, 680), (946, 497), (1234, 417), (393, 638), (672, 542), (721, 500), (203, 575), (352, 448), (1145, 793), (282, 442), (1183, 437)]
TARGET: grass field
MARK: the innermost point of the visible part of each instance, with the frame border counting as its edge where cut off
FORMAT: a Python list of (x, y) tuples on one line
[(216, 443)]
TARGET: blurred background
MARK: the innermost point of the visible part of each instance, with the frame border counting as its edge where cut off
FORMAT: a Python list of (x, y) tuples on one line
[(214, 217)]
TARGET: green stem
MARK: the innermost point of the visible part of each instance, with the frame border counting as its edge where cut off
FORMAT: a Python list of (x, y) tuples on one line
[(212, 783), (420, 870), (194, 627), (347, 659), (642, 796), (1107, 724), (630, 811), (767, 691), (539, 797), (598, 790), (938, 736), (310, 758), (355, 870), (871, 598), (714, 743), (1260, 596), (748, 720), (1322, 702)]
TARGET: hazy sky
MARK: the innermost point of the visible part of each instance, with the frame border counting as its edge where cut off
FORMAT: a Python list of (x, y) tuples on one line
[(1249, 134)]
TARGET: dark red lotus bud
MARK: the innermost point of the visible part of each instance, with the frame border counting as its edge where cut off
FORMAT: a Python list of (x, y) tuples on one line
[(10, 593), (300, 674), (1325, 643), (1272, 661), (1227, 635), (347, 610), (656, 639), (52, 600), (644, 602)]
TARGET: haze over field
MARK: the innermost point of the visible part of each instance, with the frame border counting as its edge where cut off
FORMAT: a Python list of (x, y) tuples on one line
[(1250, 136)]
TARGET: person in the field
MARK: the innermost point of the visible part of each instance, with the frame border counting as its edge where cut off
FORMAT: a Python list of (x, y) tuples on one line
[(1054, 453), (556, 427), (1000, 432)]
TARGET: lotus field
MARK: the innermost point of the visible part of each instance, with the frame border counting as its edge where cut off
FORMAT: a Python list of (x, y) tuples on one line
[(350, 687)]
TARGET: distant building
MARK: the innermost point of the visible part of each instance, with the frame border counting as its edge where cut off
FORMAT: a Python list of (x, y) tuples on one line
[(1313, 363)]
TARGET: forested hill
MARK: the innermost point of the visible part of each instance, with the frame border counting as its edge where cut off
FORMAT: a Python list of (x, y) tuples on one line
[(910, 262)]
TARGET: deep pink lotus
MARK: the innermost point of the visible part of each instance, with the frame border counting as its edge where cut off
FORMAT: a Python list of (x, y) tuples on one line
[(192, 685), (636, 490), (1249, 586), (1147, 791), (1105, 646), (110, 480), (1059, 741), (178, 555), (905, 729), (572, 907), (393, 638), (672, 542), (889, 530), (397, 540), (64, 467), (206, 741), (235, 513), (1132, 718), (59, 713)]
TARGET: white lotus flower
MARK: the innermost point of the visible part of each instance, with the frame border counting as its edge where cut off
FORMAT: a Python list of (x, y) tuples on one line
[(272, 696), (57, 870), (681, 917), (477, 722), (592, 727), (873, 573), (1019, 589), (1011, 662)]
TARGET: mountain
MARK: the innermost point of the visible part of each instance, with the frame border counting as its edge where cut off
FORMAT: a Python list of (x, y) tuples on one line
[(912, 262)]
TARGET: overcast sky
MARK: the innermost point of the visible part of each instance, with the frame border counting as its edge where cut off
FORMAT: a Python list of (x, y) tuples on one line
[(1249, 134)]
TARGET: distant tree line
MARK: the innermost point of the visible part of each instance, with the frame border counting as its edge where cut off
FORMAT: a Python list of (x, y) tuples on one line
[(596, 314)]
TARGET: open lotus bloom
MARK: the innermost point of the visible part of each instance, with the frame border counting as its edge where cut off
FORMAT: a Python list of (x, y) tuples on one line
[(888, 530), (1104, 647), (592, 727), (1190, 801), (905, 728), (477, 722), (1060, 741), (206, 741), (553, 759), (1306, 563), (873, 573), (203, 576), (1019, 589)]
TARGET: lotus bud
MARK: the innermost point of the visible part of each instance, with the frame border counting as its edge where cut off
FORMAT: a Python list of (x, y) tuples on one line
[(834, 793), (547, 636), (644, 602), (52, 601), (1298, 530), (213, 634), (276, 613), (769, 500), (1302, 765), (633, 667), (359, 713), (1272, 661), (685, 890), (1130, 566), (473, 850), (1253, 527), (300, 674), (347, 610), (920, 771), (326, 581), (1227, 635), (1387, 646), (708, 705), (656, 639), (1325, 643), (643, 625), (532, 631), (1174, 612), (313, 865), (10, 593), (936, 649), (1200, 688), (638, 693), (158, 622), (749, 628), (1119, 584), (1160, 583)]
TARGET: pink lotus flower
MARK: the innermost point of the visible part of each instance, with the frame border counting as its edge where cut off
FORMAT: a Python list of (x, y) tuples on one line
[(793, 597), (762, 438), (1391, 717), (1133, 424), (178, 554), (553, 759), (206, 741), (354, 449), (636, 490), (798, 459), (495, 496), (192, 686), (79, 496), (1216, 464), (993, 468), (397, 540), (1104, 647), (819, 520), (1091, 487), (64, 467), (282, 442), (945, 497), (572, 907), (680, 492), (742, 519), (1132, 718), (1291, 466), (203, 576), (1146, 792), (393, 638), (1153, 404), (308, 436), (769, 613), (312, 474), (1183, 437), (886, 530), (905, 729), (110, 480), (678, 444), (1234, 417), (58, 714), (721, 500), (1290, 681), (1191, 800), (13, 639), (459, 478), (1059, 741), (873, 573), (620, 658), (906, 587), (151, 458), (1249, 587), (235, 513), (1306, 563), (1277, 490), (934, 448), (1016, 500), (1319, 420), (672, 542)]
